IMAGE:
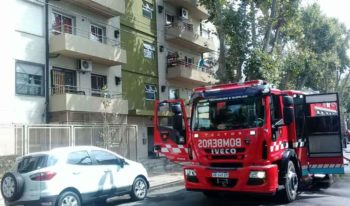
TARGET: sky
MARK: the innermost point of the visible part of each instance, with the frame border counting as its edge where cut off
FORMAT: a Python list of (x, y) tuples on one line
[(335, 8)]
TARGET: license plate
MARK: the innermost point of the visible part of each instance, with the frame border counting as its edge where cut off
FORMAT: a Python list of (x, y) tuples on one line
[(220, 174)]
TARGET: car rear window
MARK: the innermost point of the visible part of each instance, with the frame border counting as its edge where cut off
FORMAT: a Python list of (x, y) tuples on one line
[(31, 163)]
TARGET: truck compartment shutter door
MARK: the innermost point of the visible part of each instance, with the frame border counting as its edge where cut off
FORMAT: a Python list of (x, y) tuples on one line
[(323, 134)]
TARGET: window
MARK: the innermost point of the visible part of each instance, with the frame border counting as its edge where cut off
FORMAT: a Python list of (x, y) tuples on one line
[(150, 91), (97, 83), (169, 19), (61, 24), (79, 158), (104, 158), (63, 81), (147, 9), (26, 13), (173, 93), (148, 50), (29, 79), (98, 33)]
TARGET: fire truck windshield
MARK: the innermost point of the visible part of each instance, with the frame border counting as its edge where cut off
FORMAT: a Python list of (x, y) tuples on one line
[(228, 113)]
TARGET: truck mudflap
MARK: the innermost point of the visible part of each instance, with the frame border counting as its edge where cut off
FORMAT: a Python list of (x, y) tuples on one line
[(253, 179)]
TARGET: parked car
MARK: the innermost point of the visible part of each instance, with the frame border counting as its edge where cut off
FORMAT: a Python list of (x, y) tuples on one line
[(73, 176)]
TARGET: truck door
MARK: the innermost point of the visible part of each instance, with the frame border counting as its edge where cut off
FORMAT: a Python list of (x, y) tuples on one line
[(171, 130), (323, 134)]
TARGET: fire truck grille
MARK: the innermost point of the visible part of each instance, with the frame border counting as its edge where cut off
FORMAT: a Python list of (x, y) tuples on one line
[(227, 165), (222, 182)]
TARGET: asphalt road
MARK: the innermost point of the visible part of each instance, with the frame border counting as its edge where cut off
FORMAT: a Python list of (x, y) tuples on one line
[(337, 195)]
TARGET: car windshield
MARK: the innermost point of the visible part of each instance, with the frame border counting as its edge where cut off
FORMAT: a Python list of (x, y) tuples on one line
[(228, 114)]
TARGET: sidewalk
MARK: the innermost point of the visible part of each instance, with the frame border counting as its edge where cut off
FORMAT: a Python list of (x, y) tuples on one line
[(165, 180)]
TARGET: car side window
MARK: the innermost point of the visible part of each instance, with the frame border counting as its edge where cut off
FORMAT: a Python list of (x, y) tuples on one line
[(79, 158), (105, 158)]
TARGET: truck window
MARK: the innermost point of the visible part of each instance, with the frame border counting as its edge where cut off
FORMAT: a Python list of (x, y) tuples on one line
[(215, 115), (275, 107)]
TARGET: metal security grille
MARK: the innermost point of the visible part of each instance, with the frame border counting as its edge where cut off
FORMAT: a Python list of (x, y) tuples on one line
[(24, 139)]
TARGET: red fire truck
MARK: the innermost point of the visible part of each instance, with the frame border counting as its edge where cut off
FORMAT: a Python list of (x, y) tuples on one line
[(250, 137)]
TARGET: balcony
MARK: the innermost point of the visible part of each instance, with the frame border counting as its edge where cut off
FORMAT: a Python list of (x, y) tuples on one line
[(71, 98), (189, 73), (108, 8), (80, 47), (195, 10), (182, 34)]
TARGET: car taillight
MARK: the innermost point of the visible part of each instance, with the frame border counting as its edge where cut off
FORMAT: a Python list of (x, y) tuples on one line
[(42, 176)]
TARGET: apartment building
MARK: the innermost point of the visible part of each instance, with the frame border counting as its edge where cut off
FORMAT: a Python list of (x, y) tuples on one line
[(85, 58), (188, 48), (140, 74), (23, 63)]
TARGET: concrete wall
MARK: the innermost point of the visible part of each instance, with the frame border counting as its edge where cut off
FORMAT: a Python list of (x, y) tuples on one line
[(7, 163)]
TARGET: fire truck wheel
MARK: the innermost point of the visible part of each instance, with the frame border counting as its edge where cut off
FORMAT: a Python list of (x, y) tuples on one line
[(289, 193)]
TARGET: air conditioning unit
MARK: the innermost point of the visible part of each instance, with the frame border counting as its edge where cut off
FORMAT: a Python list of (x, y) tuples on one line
[(183, 13), (85, 65)]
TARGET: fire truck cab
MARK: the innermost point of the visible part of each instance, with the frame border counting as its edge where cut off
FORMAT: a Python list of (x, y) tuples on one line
[(250, 137)]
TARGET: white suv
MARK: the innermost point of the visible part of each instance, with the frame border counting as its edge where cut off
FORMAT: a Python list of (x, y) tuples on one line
[(73, 176)]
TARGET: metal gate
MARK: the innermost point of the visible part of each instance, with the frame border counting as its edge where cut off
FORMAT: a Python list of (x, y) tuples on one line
[(24, 139)]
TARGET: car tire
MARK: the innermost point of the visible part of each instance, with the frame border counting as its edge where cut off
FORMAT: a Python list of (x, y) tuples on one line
[(68, 198), (291, 184), (12, 186), (139, 189)]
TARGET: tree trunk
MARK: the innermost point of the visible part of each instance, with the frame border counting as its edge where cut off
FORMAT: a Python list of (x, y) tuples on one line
[(253, 23), (222, 63), (274, 42), (269, 25)]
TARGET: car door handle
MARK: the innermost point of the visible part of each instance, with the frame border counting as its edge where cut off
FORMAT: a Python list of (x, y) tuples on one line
[(107, 171), (76, 173)]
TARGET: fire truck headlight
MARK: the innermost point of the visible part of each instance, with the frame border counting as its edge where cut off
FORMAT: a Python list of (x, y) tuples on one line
[(257, 174), (190, 172)]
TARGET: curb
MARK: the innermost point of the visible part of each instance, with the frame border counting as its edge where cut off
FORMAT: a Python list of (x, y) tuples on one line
[(162, 186)]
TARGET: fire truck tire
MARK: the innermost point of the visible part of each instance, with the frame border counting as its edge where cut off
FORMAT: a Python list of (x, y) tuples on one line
[(289, 193), (210, 194)]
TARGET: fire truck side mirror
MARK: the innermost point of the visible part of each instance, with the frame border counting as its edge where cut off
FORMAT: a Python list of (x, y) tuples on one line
[(288, 101)]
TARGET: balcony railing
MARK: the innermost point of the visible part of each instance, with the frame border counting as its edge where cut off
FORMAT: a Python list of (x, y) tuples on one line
[(75, 99), (78, 43), (195, 9), (174, 62), (69, 89), (109, 8), (183, 34), (69, 29)]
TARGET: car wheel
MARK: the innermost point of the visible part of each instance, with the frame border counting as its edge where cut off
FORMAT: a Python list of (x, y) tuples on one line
[(289, 193), (12, 186), (139, 189), (68, 198)]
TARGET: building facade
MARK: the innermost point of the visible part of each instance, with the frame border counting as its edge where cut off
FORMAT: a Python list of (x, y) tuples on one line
[(86, 56), (189, 48), (140, 74)]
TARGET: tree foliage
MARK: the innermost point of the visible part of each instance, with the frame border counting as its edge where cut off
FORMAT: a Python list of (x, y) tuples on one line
[(288, 45)]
